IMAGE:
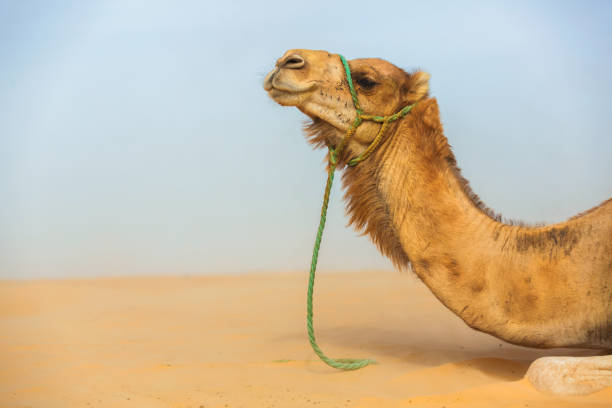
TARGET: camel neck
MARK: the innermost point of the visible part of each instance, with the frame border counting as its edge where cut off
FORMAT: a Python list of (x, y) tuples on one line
[(412, 201), (409, 197), (431, 208)]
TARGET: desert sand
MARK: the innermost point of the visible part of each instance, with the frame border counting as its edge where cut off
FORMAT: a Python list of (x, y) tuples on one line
[(240, 341)]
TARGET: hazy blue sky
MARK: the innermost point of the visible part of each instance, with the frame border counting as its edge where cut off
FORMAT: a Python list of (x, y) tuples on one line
[(136, 138)]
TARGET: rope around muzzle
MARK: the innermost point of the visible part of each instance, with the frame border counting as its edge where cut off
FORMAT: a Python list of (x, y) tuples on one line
[(334, 154)]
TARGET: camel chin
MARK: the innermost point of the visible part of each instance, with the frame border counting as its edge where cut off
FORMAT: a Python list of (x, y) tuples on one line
[(285, 98)]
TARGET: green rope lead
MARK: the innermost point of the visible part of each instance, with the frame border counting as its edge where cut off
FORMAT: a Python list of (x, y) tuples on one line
[(334, 154), (341, 363)]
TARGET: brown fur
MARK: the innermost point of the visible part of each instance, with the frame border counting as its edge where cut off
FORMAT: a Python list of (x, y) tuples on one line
[(508, 280)]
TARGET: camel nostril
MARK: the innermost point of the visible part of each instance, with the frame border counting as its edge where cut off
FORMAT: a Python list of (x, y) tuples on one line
[(293, 61)]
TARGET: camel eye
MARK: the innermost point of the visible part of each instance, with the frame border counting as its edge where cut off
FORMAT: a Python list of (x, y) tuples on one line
[(365, 82)]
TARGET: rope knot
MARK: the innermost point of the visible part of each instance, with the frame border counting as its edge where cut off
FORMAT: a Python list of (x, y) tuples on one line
[(333, 156)]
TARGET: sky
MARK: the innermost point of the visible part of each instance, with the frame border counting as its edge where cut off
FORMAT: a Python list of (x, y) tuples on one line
[(136, 138)]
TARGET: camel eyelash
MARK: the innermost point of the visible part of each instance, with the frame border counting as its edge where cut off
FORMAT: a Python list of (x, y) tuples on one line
[(365, 82)]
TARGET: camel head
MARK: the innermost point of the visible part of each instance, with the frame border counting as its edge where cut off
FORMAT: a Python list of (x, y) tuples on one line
[(315, 82)]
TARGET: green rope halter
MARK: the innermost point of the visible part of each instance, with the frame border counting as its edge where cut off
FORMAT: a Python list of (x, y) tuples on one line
[(334, 153)]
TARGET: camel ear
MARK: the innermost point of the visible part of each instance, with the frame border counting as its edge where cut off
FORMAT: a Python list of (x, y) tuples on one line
[(416, 87), (431, 114)]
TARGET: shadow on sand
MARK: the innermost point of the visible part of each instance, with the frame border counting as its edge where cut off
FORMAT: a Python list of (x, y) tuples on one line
[(479, 352)]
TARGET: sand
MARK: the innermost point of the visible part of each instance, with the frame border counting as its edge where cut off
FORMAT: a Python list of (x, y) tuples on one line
[(239, 341)]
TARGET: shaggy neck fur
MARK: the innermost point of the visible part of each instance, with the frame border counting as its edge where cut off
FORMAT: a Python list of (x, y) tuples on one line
[(504, 279), (367, 209)]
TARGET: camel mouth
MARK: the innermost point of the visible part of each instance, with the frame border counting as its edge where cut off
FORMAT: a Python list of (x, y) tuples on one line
[(278, 87), (288, 94)]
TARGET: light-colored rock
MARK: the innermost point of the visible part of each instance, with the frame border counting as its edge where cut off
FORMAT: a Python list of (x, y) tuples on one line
[(571, 375)]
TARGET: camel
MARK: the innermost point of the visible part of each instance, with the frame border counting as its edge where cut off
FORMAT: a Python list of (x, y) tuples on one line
[(542, 286)]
